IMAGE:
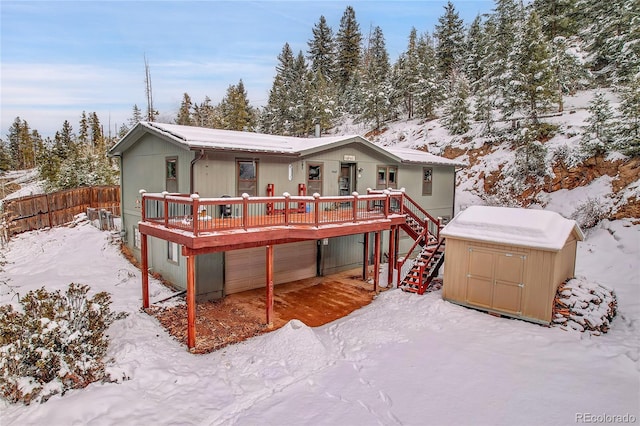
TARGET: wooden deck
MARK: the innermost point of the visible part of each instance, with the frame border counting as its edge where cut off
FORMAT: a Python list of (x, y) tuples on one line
[(206, 225), (170, 217)]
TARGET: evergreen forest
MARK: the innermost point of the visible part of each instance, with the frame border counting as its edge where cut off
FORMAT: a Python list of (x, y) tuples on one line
[(517, 63)]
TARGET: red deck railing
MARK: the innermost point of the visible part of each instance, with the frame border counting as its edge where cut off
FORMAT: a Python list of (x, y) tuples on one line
[(413, 210), (201, 215)]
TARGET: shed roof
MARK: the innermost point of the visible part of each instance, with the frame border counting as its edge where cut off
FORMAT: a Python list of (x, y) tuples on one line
[(540, 229), (190, 137)]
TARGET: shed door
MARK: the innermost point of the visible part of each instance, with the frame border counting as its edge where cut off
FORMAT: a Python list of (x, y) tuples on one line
[(494, 280), (246, 269)]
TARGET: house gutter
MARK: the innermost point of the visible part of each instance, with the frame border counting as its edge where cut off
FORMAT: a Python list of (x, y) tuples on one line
[(199, 157)]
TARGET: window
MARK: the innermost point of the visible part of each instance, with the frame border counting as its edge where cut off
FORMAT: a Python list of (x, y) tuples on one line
[(171, 167), (387, 177), (247, 173), (136, 238), (314, 179), (172, 252), (427, 177)]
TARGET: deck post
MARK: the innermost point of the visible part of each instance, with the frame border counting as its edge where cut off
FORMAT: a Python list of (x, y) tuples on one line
[(316, 209), (269, 299), (355, 206), (365, 257), (392, 254), (166, 209), (376, 263), (145, 271), (195, 213), (245, 210), (191, 302), (287, 199)]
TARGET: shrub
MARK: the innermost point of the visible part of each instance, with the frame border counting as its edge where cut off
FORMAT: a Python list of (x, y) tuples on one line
[(589, 213), (569, 156), (57, 344)]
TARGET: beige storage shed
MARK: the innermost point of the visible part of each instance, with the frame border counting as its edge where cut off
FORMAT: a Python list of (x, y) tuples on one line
[(509, 260)]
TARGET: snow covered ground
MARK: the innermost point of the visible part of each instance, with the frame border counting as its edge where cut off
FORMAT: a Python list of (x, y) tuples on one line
[(27, 179), (404, 359)]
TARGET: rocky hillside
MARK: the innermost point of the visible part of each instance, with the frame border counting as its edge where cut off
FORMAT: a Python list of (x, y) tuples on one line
[(500, 172)]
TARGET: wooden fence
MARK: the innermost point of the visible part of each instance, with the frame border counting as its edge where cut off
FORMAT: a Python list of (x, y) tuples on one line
[(47, 210)]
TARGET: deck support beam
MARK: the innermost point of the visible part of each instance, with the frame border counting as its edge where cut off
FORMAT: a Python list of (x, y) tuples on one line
[(365, 257), (269, 298), (145, 271), (392, 254), (376, 268), (191, 302)]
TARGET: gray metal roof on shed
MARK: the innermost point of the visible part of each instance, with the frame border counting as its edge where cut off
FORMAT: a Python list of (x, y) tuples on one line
[(196, 138)]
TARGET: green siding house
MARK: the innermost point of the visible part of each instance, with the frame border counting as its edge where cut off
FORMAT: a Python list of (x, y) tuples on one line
[(157, 158)]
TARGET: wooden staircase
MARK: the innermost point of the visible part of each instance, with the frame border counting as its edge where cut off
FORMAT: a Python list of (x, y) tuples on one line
[(425, 268), (425, 230)]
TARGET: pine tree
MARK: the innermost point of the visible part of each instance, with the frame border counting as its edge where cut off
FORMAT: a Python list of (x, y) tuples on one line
[(97, 138), (450, 49), (628, 133), (21, 146), (136, 116), (207, 115), (123, 130), (323, 104), (597, 137), (184, 113), (376, 87), (50, 163), (429, 89), (64, 145), (349, 49), (405, 76), (456, 110), (300, 98), (502, 26), (38, 144), (83, 134), (5, 157), (487, 86), (277, 117), (322, 55), (531, 88), (236, 112), (612, 33), (557, 17), (475, 51)]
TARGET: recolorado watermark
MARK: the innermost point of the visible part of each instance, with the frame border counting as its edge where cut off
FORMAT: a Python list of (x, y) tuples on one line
[(605, 418)]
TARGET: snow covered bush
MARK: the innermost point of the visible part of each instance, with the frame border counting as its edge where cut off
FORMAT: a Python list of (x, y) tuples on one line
[(57, 343), (568, 155), (589, 213)]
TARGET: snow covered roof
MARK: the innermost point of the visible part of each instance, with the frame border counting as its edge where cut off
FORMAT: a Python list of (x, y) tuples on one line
[(409, 155), (191, 137), (540, 229)]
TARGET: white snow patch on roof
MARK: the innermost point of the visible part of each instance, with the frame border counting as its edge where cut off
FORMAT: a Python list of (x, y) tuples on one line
[(521, 227), (416, 156), (199, 137)]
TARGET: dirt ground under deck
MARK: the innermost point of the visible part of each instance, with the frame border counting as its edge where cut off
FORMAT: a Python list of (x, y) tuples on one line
[(237, 317)]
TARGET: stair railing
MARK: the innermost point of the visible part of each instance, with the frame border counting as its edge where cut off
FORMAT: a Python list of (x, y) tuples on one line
[(421, 216), (401, 261)]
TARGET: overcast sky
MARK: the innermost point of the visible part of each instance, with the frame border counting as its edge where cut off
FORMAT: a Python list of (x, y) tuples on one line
[(59, 58)]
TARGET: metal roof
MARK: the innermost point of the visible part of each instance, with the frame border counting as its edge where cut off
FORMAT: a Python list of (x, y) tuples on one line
[(196, 138)]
